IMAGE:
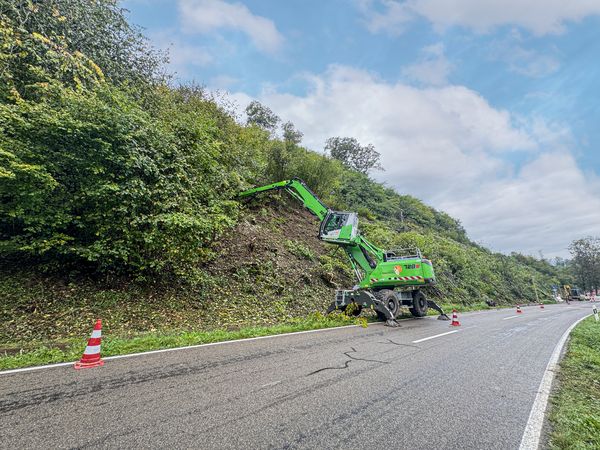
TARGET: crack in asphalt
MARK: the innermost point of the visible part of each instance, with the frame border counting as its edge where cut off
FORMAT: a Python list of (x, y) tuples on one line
[(362, 359), (345, 366), (347, 362)]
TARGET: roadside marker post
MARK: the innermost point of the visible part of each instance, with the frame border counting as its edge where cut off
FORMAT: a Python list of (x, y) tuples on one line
[(91, 355), (595, 310)]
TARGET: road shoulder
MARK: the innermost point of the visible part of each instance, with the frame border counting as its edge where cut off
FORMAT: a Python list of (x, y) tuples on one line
[(574, 410)]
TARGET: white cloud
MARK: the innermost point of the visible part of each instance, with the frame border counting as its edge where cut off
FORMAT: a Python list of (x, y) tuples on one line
[(534, 65), (392, 20), (545, 206), (183, 57), (432, 68), (448, 146), (538, 16), (520, 60), (206, 16)]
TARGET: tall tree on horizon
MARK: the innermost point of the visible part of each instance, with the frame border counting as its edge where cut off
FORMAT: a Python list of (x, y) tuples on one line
[(352, 154)]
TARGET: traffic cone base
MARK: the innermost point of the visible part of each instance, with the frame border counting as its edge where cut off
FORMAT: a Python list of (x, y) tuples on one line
[(91, 355), (82, 365), (455, 322)]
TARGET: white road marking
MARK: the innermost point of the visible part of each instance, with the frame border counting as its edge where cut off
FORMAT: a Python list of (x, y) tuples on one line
[(533, 430), (511, 317), (164, 350), (47, 366), (436, 336)]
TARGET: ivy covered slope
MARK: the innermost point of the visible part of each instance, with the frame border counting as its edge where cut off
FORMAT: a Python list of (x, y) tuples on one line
[(118, 197)]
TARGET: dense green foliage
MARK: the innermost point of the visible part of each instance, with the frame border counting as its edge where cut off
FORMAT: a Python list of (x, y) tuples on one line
[(90, 174), (46, 37), (104, 169)]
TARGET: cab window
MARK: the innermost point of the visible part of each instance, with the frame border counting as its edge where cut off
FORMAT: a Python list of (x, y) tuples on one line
[(335, 222)]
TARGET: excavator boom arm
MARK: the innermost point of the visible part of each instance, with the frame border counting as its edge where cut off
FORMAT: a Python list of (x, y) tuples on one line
[(297, 189), (362, 253)]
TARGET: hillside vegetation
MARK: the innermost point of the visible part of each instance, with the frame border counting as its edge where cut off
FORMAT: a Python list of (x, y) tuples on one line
[(118, 198)]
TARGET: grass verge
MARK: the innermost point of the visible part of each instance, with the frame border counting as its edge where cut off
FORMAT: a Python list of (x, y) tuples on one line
[(71, 350), (575, 406), (63, 350)]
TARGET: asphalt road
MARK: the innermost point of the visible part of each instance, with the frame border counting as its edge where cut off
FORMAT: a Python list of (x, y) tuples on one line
[(343, 388)]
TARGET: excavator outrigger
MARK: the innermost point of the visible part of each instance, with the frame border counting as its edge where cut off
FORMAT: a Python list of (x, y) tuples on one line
[(387, 280)]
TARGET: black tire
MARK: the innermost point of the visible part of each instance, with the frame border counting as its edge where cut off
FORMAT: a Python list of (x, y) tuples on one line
[(419, 308), (389, 299)]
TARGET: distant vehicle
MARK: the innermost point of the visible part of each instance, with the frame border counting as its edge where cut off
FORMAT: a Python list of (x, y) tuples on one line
[(576, 294)]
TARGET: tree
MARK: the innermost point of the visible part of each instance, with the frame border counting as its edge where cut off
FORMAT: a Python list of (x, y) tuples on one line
[(353, 155), (262, 116), (291, 136), (282, 155), (97, 30), (586, 262)]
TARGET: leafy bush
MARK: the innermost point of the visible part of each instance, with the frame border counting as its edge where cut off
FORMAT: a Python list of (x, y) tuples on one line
[(51, 32), (90, 176)]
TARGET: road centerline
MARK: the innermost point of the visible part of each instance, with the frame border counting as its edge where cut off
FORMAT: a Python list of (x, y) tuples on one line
[(511, 317), (435, 336)]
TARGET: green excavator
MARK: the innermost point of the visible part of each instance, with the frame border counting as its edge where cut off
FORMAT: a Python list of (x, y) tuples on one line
[(387, 280)]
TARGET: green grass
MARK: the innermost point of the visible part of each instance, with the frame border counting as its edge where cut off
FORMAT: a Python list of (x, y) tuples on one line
[(71, 349), (575, 407), (63, 350)]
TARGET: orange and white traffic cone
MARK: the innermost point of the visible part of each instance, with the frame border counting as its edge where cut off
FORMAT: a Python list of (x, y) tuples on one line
[(541, 306), (91, 355), (455, 322), (519, 309)]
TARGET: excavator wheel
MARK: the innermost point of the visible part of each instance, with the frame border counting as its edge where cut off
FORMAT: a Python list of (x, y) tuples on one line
[(419, 308), (389, 299)]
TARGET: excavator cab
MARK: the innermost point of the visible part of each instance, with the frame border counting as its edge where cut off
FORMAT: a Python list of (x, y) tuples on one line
[(339, 226)]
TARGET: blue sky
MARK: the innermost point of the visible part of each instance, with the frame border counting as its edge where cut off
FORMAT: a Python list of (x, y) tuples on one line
[(487, 109)]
